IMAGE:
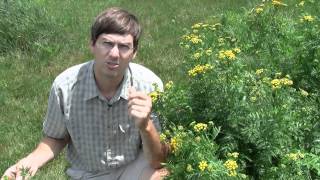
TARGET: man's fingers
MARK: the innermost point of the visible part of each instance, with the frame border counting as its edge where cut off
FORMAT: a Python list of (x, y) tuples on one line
[(10, 173), (140, 102), (32, 171)]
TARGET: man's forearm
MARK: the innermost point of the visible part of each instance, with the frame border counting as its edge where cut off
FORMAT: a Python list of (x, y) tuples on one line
[(152, 147), (47, 149)]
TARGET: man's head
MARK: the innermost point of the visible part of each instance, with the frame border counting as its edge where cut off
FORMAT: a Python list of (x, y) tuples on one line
[(116, 21)]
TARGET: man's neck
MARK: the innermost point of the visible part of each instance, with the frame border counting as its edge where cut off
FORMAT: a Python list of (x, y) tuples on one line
[(108, 85)]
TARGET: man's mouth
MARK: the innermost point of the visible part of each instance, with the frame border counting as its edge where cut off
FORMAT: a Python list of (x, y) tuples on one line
[(112, 65)]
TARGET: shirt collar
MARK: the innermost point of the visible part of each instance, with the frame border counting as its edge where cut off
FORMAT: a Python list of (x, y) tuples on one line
[(91, 88)]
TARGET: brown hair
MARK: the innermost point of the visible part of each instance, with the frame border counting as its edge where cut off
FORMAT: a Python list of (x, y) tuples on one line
[(116, 21)]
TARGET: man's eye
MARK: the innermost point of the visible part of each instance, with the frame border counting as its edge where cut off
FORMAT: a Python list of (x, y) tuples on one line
[(124, 47), (108, 43)]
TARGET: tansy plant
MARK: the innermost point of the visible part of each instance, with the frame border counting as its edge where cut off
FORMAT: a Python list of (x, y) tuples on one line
[(255, 75)]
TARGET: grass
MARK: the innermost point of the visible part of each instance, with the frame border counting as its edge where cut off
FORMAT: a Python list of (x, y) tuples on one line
[(54, 35)]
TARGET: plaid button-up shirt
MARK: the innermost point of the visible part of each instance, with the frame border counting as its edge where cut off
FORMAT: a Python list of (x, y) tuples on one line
[(103, 136)]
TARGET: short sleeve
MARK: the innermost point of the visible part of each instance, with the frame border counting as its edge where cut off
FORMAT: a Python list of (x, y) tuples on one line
[(54, 125)]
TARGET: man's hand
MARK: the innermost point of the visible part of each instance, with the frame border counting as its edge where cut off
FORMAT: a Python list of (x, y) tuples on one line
[(24, 169), (140, 105)]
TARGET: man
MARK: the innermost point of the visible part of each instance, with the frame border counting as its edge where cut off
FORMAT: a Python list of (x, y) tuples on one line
[(101, 110)]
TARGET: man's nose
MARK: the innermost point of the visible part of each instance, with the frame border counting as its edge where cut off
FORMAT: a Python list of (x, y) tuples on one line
[(114, 52)]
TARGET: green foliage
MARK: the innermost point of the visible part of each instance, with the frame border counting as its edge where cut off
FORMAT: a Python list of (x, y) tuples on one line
[(25, 26), (256, 76)]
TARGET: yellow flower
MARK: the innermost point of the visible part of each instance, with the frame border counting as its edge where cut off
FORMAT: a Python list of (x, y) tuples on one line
[(163, 137), (195, 26), (278, 3), (197, 139), (200, 126), (308, 18), (232, 173), (189, 168), (277, 75), (203, 165), (230, 54), (154, 96), (205, 25), (221, 55), (259, 72), (234, 154), (195, 40), (286, 81), (208, 52), (174, 144), (301, 3), (220, 40), (259, 10), (197, 55), (167, 132), (199, 69), (295, 156), (276, 84), (186, 37), (304, 93), (231, 165), (168, 85), (237, 50)]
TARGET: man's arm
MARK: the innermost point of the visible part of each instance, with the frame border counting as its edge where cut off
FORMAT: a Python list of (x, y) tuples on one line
[(140, 105), (154, 150), (47, 149)]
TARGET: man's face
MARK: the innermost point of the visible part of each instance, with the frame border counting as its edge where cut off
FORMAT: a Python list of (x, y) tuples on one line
[(112, 53)]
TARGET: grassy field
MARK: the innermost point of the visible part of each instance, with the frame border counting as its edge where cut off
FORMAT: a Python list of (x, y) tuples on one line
[(41, 38)]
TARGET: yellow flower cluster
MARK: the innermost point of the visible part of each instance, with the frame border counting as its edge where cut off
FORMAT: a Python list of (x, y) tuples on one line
[(278, 83), (259, 10), (301, 3), (200, 25), (203, 165), (199, 69), (195, 39), (154, 95), (232, 166), (200, 127), (304, 93), (278, 3), (237, 50), (307, 18), (209, 52), (174, 144), (163, 137), (197, 55), (295, 156), (259, 71), (197, 25), (168, 85), (189, 168), (197, 139), (229, 54), (234, 154), (220, 40)]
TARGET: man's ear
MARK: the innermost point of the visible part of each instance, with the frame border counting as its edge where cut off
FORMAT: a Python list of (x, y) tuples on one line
[(134, 55), (91, 46)]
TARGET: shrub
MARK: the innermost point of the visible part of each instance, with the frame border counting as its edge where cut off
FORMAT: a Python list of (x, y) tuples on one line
[(255, 76)]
